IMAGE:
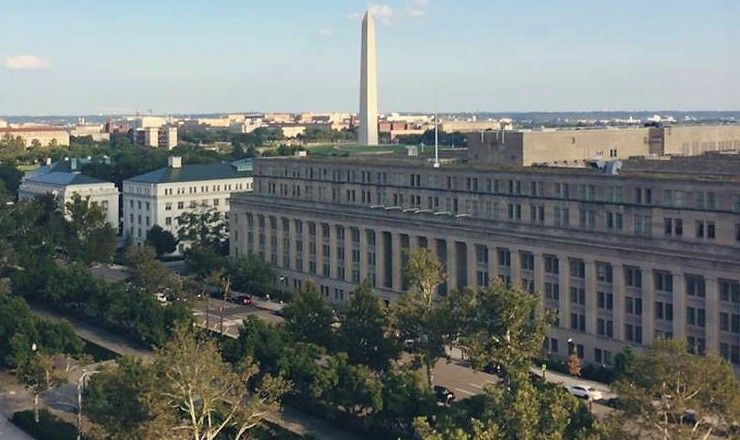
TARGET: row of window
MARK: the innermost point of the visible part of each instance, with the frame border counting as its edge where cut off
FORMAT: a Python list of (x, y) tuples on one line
[(513, 186), (195, 189), (588, 218)]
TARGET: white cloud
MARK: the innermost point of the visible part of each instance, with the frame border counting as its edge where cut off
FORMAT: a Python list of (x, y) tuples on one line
[(324, 32), (385, 14), (26, 62), (416, 8)]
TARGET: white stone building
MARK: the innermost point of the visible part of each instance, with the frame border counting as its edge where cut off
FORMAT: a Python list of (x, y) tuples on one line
[(161, 196), (64, 184)]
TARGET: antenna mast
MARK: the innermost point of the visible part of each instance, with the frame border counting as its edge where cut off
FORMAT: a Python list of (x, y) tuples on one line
[(436, 142)]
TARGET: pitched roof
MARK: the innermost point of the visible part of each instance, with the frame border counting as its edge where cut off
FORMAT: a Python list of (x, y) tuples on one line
[(61, 178), (192, 173)]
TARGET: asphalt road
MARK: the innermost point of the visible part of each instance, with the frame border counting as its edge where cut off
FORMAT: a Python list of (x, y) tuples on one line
[(208, 313)]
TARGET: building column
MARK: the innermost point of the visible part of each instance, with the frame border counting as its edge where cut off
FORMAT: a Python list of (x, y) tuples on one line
[(348, 263), (292, 243), (619, 292), (591, 288), (493, 271), (515, 269), (364, 265), (319, 249), (648, 307), (379, 259), (564, 298), (451, 265), (268, 238), (472, 262), (679, 306), (539, 276), (305, 256), (280, 234), (333, 259), (397, 268), (711, 304)]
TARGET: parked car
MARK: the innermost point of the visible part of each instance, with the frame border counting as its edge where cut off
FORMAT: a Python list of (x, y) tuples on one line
[(443, 394), (244, 300), (584, 392)]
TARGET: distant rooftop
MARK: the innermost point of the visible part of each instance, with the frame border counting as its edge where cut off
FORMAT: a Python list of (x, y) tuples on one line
[(194, 173), (708, 167), (63, 179)]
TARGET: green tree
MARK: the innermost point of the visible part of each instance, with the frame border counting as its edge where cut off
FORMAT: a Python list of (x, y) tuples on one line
[(252, 274), (365, 332), (205, 227), (356, 388), (113, 398), (665, 382), (197, 395), (10, 176), (420, 314), (405, 396), (162, 241), (423, 273), (11, 147), (500, 323), (94, 239), (202, 260), (146, 271), (309, 318)]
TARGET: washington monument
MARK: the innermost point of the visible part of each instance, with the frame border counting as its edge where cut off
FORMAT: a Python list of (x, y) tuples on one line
[(368, 85)]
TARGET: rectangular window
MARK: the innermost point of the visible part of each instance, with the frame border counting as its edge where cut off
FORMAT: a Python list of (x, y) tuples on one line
[(633, 277)]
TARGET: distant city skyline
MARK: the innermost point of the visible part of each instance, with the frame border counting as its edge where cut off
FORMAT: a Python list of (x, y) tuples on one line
[(433, 55)]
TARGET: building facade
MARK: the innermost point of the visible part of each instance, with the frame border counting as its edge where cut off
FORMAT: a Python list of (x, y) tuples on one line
[(161, 196), (564, 147), (621, 259), (45, 136), (164, 137), (63, 185)]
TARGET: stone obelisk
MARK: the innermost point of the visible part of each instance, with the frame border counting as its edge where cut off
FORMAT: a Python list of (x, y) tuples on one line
[(368, 134)]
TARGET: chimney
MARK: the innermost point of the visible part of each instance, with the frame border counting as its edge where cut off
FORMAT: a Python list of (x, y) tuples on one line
[(174, 162)]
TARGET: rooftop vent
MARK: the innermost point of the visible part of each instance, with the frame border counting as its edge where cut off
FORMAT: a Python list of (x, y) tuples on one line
[(174, 162)]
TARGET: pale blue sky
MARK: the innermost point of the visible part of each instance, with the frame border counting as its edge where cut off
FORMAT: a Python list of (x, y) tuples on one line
[(289, 55)]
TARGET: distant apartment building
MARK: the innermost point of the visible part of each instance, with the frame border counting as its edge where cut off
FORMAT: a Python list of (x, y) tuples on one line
[(278, 118), (400, 128), (111, 126), (164, 137), (63, 180), (94, 131), (45, 136), (161, 196), (290, 131), (572, 146), (473, 126), (621, 260)]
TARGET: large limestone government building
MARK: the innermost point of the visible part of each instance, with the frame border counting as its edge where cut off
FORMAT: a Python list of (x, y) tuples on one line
[(649, 251)]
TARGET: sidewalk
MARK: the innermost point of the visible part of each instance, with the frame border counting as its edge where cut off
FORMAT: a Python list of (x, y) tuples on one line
[(99, 336), (13, 397)]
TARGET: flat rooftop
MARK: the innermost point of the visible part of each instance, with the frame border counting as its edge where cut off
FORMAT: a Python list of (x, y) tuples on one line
[(707, 167)]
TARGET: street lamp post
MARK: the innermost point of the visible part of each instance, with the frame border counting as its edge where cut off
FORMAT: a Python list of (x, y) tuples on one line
[(80, 384), (35, 391)]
